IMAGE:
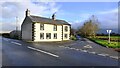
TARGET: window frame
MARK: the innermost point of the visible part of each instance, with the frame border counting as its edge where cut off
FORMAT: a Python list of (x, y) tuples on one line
[(66, 28), (48, 35), (41, 26), (55, 35), (42, 34), (55, 28), (65, 36)]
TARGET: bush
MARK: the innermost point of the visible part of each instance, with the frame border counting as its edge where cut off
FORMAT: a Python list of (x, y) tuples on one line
[(73, 38), (7, 35)]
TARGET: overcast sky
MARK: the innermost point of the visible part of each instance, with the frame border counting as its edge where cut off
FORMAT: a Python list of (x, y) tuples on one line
[(74, 13)]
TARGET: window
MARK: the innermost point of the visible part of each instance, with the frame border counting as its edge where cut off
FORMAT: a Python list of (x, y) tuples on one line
[(48, 35), (55, 35), (41, 35), (66, 28), (65, 36), (41, 26), (55, 28)]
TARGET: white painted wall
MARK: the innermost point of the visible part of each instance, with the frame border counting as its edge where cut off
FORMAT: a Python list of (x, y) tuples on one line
[(48, 28), (68, 32)]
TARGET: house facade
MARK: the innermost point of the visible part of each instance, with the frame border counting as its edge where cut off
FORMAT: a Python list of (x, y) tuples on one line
[(36, 28)]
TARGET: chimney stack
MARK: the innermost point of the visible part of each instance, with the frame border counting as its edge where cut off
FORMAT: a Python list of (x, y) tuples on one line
[(27, 12), (53, 16)]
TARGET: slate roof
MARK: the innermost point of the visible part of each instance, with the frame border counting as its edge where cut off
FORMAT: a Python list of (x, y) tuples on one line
[(47, 20)]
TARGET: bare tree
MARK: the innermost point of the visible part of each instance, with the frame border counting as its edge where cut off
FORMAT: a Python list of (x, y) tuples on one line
[(90, 27)]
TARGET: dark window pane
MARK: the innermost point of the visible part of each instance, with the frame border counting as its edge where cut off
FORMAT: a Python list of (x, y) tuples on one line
[(65, 35), (55, 28), (48, 35), (41, 35), (55, 35), (41, 26), (66, 28)]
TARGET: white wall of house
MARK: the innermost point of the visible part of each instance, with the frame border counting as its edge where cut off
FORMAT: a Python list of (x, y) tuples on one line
[(26, 30), (48, 28), (66, 32)]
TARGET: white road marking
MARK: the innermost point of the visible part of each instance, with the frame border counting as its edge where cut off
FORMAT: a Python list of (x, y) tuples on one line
[(115, 57), (61, 46), (66, 47), (71, 48), (101, 54), (16, 43), (43, 51), (89, 41), (106, 54), (77, 49), (92, 52), (87, 46), (84, 50)]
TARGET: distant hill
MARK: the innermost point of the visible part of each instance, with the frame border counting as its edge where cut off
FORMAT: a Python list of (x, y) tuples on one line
[(105, 32)]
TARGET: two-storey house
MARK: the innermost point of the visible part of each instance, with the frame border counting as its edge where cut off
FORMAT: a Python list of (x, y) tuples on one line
[(36, 28)]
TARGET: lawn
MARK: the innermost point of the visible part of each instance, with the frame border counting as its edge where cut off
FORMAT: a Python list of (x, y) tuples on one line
[(103, 40)]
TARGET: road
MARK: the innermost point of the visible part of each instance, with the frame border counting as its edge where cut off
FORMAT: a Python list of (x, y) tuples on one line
[(19, 53)]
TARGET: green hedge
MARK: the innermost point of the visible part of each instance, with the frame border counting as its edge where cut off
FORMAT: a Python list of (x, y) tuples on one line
[(105, 43)]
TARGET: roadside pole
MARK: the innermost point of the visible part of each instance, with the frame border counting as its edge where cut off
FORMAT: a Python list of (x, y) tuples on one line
[(109, 31), (109, 37)]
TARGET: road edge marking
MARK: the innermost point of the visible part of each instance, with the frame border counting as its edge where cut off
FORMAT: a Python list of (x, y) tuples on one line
[(48, 53), (16, 43)]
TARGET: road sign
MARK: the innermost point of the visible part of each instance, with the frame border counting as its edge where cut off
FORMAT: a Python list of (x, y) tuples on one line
[(109, 31)]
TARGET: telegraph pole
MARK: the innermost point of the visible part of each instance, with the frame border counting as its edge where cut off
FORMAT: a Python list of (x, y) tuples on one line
[(16, 23), (16, 34)]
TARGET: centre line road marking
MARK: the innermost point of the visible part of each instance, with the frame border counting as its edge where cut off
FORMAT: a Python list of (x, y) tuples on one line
[(61, 46), (77, 49), (70, 48), (102, 54), (115, 57), (92, 52), (43, 51), (16, 43), (84, 50)]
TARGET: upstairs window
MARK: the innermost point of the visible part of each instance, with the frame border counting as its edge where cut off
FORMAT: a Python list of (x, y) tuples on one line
[(41, 26), (65, 36), (55, 28), (48, 35), (41, 35), (55, 35), (66, 28)]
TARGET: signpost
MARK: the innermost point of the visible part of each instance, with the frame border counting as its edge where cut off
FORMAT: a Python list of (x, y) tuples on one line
[(109, 31)]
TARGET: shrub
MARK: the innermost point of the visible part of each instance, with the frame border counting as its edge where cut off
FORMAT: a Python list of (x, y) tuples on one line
[(73, 38)]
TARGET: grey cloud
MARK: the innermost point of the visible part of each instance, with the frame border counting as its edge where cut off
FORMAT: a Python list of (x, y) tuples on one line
[(10, 9)]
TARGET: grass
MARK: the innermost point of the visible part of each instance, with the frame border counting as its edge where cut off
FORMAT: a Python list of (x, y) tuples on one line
[(107, 36), (112, 44)]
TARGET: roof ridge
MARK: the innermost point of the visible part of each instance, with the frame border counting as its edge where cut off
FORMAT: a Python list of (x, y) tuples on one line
[(46, 20)]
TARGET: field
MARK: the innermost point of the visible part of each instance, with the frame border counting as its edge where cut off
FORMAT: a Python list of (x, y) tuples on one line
[(103, 40)]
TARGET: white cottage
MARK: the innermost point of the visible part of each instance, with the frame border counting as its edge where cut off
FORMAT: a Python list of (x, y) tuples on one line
[(36, 28)]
